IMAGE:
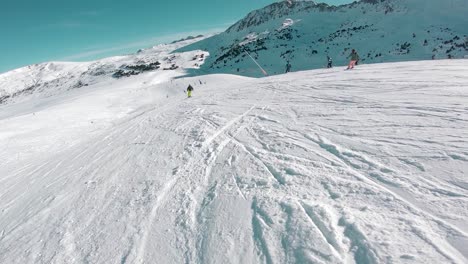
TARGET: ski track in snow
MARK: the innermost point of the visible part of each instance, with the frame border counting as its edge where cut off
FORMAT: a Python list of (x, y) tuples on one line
[(326, 166)]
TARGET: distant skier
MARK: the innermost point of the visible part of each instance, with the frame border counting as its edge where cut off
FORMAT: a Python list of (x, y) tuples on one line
[(189, 91), (288, 67), (329, 62), (354, 58)]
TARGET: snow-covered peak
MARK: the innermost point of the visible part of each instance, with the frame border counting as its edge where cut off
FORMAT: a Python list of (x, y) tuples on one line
[(270, 12)]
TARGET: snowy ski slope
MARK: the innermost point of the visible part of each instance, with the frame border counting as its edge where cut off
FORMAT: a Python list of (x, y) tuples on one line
[(323, 166)]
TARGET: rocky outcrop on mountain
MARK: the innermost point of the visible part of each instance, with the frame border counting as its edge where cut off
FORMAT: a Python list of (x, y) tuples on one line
[(129, 70)]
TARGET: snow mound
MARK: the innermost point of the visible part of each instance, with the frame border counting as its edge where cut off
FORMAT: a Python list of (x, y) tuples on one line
[(249, 38), (286, 24)]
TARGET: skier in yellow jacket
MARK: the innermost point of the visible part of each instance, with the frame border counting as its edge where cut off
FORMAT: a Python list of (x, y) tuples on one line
[(189, 91)]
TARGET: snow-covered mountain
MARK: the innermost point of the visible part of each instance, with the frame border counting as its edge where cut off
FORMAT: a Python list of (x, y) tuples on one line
[(110, 162), (52, 78), (302, 32), (305, 32)]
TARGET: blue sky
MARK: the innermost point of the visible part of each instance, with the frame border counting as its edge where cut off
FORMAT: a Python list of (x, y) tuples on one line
[(34, 31)]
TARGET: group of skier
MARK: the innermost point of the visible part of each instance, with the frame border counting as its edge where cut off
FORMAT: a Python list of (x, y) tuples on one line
[(354, 60)]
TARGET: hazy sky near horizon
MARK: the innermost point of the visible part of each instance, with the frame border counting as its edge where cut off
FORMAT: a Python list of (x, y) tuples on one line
[(35, 31)]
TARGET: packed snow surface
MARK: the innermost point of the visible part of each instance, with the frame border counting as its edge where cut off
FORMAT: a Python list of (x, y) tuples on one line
[(323, 166)]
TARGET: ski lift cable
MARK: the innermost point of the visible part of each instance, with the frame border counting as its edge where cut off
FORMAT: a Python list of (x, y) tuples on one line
[(263, 71)]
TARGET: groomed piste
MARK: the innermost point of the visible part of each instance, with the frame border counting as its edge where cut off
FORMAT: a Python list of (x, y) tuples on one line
[(321, 166)]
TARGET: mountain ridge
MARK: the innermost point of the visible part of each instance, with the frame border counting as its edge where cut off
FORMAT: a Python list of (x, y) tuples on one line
[(51, 78)]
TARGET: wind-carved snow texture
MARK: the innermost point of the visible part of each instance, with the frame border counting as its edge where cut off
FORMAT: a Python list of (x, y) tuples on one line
[(324, 166)]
